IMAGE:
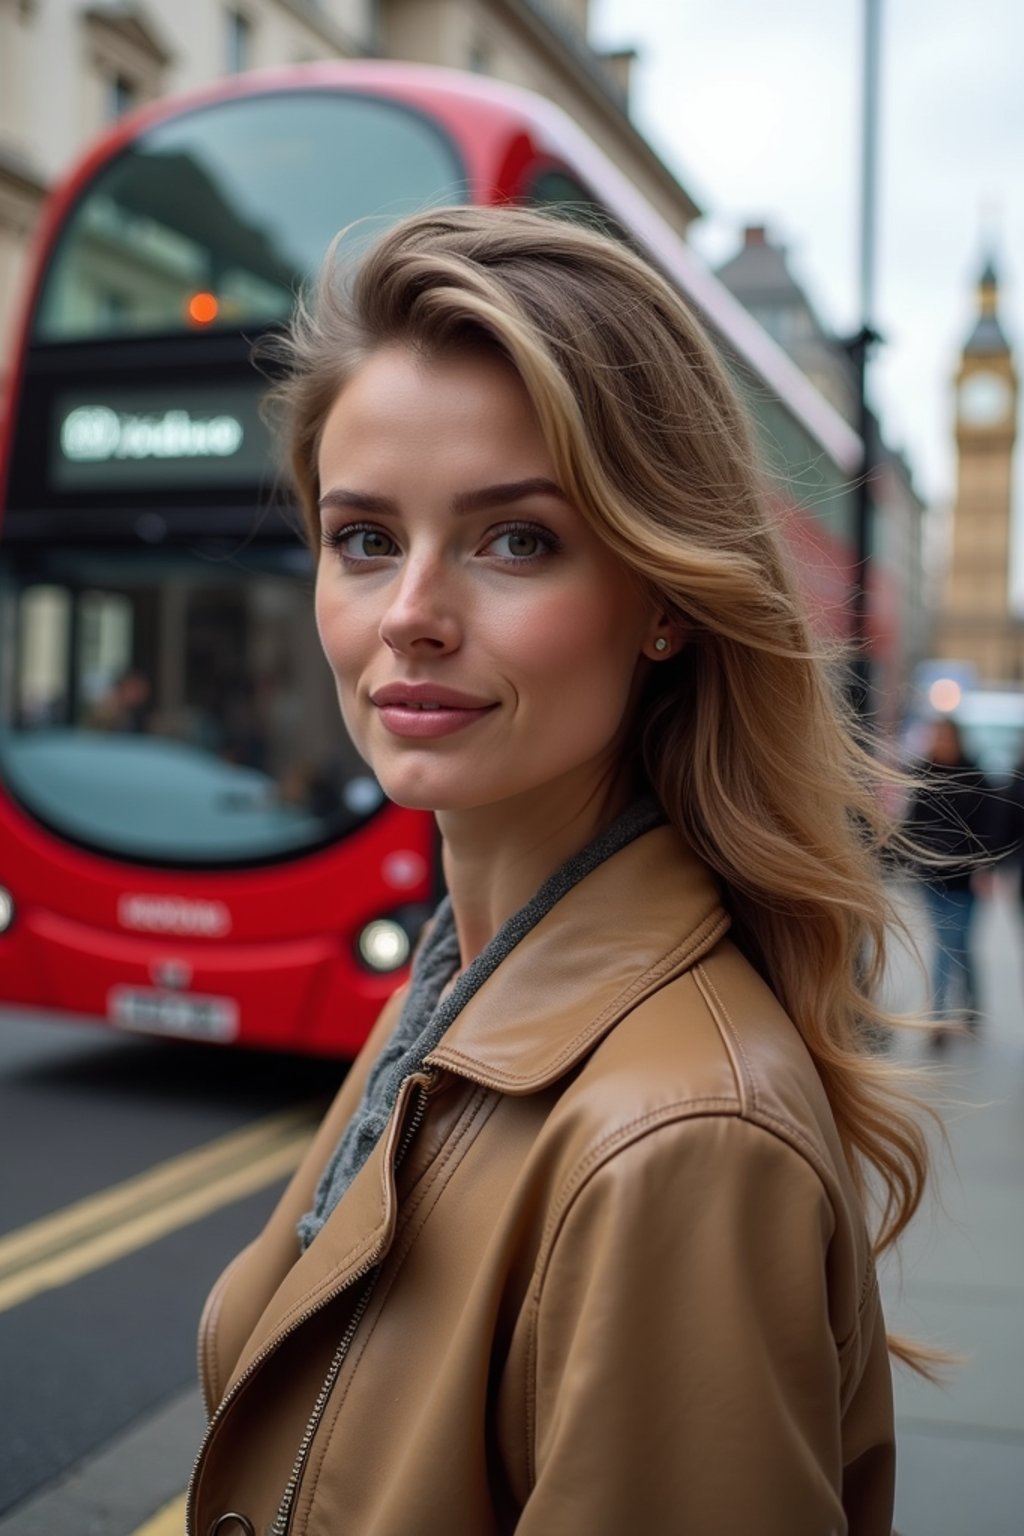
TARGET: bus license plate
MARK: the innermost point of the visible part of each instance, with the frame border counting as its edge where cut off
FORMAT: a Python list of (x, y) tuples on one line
[(173, 1013)]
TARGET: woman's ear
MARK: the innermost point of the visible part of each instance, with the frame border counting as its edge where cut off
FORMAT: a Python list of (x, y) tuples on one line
[(665, 638)]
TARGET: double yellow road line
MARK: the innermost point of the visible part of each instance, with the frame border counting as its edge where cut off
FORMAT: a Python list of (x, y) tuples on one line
[(102, 1228), (168, 1521)]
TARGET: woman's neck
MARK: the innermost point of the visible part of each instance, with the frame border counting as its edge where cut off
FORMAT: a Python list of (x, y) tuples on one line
[(497, 857)]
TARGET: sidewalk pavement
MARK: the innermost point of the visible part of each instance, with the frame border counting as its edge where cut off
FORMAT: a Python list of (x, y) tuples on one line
[(115, 1492), (959, 1282)]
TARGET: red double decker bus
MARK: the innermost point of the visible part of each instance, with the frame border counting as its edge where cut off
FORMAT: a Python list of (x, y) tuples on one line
[(189, 844)]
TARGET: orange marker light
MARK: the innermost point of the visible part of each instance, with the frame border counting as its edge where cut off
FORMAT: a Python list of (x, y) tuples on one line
[(203, 308)]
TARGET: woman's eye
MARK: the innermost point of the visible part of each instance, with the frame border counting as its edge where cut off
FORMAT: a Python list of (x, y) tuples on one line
[(371, 543), (521, 544), (361, 543)]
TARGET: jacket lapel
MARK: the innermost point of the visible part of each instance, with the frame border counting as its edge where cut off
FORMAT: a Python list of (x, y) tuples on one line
[(639, 919), (357, 1234)]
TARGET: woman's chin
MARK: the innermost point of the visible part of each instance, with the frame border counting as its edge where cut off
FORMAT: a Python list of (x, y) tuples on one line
[(433, 797), (421, 796)]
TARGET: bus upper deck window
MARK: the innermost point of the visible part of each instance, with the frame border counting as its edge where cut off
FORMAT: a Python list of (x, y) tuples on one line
[(215, 218)]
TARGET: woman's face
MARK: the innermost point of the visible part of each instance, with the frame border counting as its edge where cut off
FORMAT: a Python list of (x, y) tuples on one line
[(484, 641)]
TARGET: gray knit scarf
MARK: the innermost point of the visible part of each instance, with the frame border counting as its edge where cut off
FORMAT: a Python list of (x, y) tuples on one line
[(426, 1016)]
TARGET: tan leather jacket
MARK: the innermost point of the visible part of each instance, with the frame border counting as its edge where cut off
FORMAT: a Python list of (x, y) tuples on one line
[(618, 1284)]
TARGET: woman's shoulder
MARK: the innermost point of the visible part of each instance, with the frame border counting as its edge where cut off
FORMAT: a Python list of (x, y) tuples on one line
[(705, 1097), (714, 1042)]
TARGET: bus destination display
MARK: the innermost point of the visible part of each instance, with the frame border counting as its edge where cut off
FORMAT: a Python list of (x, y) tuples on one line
[(121, 440)]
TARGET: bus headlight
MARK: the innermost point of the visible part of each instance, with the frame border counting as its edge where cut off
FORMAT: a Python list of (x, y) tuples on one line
[(6, 909), (384, 945)]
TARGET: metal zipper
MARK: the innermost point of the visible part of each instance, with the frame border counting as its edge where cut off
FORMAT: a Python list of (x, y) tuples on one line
[(416, 1118), (291, 1488), (284, 1513)]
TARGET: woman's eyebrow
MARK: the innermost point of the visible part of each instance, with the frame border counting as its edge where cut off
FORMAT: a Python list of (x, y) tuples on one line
[(356, 501), (465, 501), (500, 495)]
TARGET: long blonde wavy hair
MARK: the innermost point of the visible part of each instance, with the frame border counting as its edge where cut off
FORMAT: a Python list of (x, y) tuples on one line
[(745, 738)]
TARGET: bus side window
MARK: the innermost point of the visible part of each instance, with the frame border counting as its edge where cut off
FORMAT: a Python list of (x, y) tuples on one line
[(43, 651)]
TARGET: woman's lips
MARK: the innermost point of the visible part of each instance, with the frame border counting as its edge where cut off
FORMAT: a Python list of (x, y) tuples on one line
[(425, 721)]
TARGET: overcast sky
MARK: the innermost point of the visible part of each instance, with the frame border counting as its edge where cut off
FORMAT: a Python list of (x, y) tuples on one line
[(755, 104)]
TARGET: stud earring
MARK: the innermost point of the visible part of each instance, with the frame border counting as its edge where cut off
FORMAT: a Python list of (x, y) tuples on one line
[(661, 644)]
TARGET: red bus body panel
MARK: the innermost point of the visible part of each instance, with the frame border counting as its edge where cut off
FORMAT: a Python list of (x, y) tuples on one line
[(286, 953)]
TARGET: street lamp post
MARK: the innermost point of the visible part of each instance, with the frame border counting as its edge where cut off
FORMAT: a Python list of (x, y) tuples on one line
[(859, 348)]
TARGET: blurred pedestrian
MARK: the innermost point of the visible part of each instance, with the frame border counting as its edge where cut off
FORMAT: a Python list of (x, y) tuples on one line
[(952, 815), (1011, 828), (582, 1245)]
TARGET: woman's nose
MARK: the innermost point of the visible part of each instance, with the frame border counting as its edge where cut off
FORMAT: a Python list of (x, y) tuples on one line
[(422, 615)]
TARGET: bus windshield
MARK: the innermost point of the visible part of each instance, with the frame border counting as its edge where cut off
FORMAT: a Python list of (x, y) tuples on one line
[(174, 708), (215, 219)]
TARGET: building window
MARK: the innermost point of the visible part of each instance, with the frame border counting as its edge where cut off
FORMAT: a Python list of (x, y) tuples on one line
[(122, 94), (238, 43)]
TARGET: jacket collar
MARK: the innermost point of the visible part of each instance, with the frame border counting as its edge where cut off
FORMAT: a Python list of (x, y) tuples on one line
[(640, 918)]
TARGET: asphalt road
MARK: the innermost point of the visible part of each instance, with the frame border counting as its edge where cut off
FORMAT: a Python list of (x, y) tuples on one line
[(82, 1112)]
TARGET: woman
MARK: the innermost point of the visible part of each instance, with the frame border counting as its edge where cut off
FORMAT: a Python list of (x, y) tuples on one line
[(1010, 825), (952, 819), (581, 1245)]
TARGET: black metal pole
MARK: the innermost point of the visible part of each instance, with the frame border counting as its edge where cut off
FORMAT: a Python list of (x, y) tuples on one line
[(860, 351)]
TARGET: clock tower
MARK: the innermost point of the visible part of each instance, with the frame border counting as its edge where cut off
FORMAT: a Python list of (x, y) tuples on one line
[(976, 623)]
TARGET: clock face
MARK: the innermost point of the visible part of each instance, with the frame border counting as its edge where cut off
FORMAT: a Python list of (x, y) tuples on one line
[(984, 399)]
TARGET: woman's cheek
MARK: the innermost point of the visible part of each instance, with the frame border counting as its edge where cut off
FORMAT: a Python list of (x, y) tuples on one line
[(336, 644), (322, 613), (570, 636), (547, 635)]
